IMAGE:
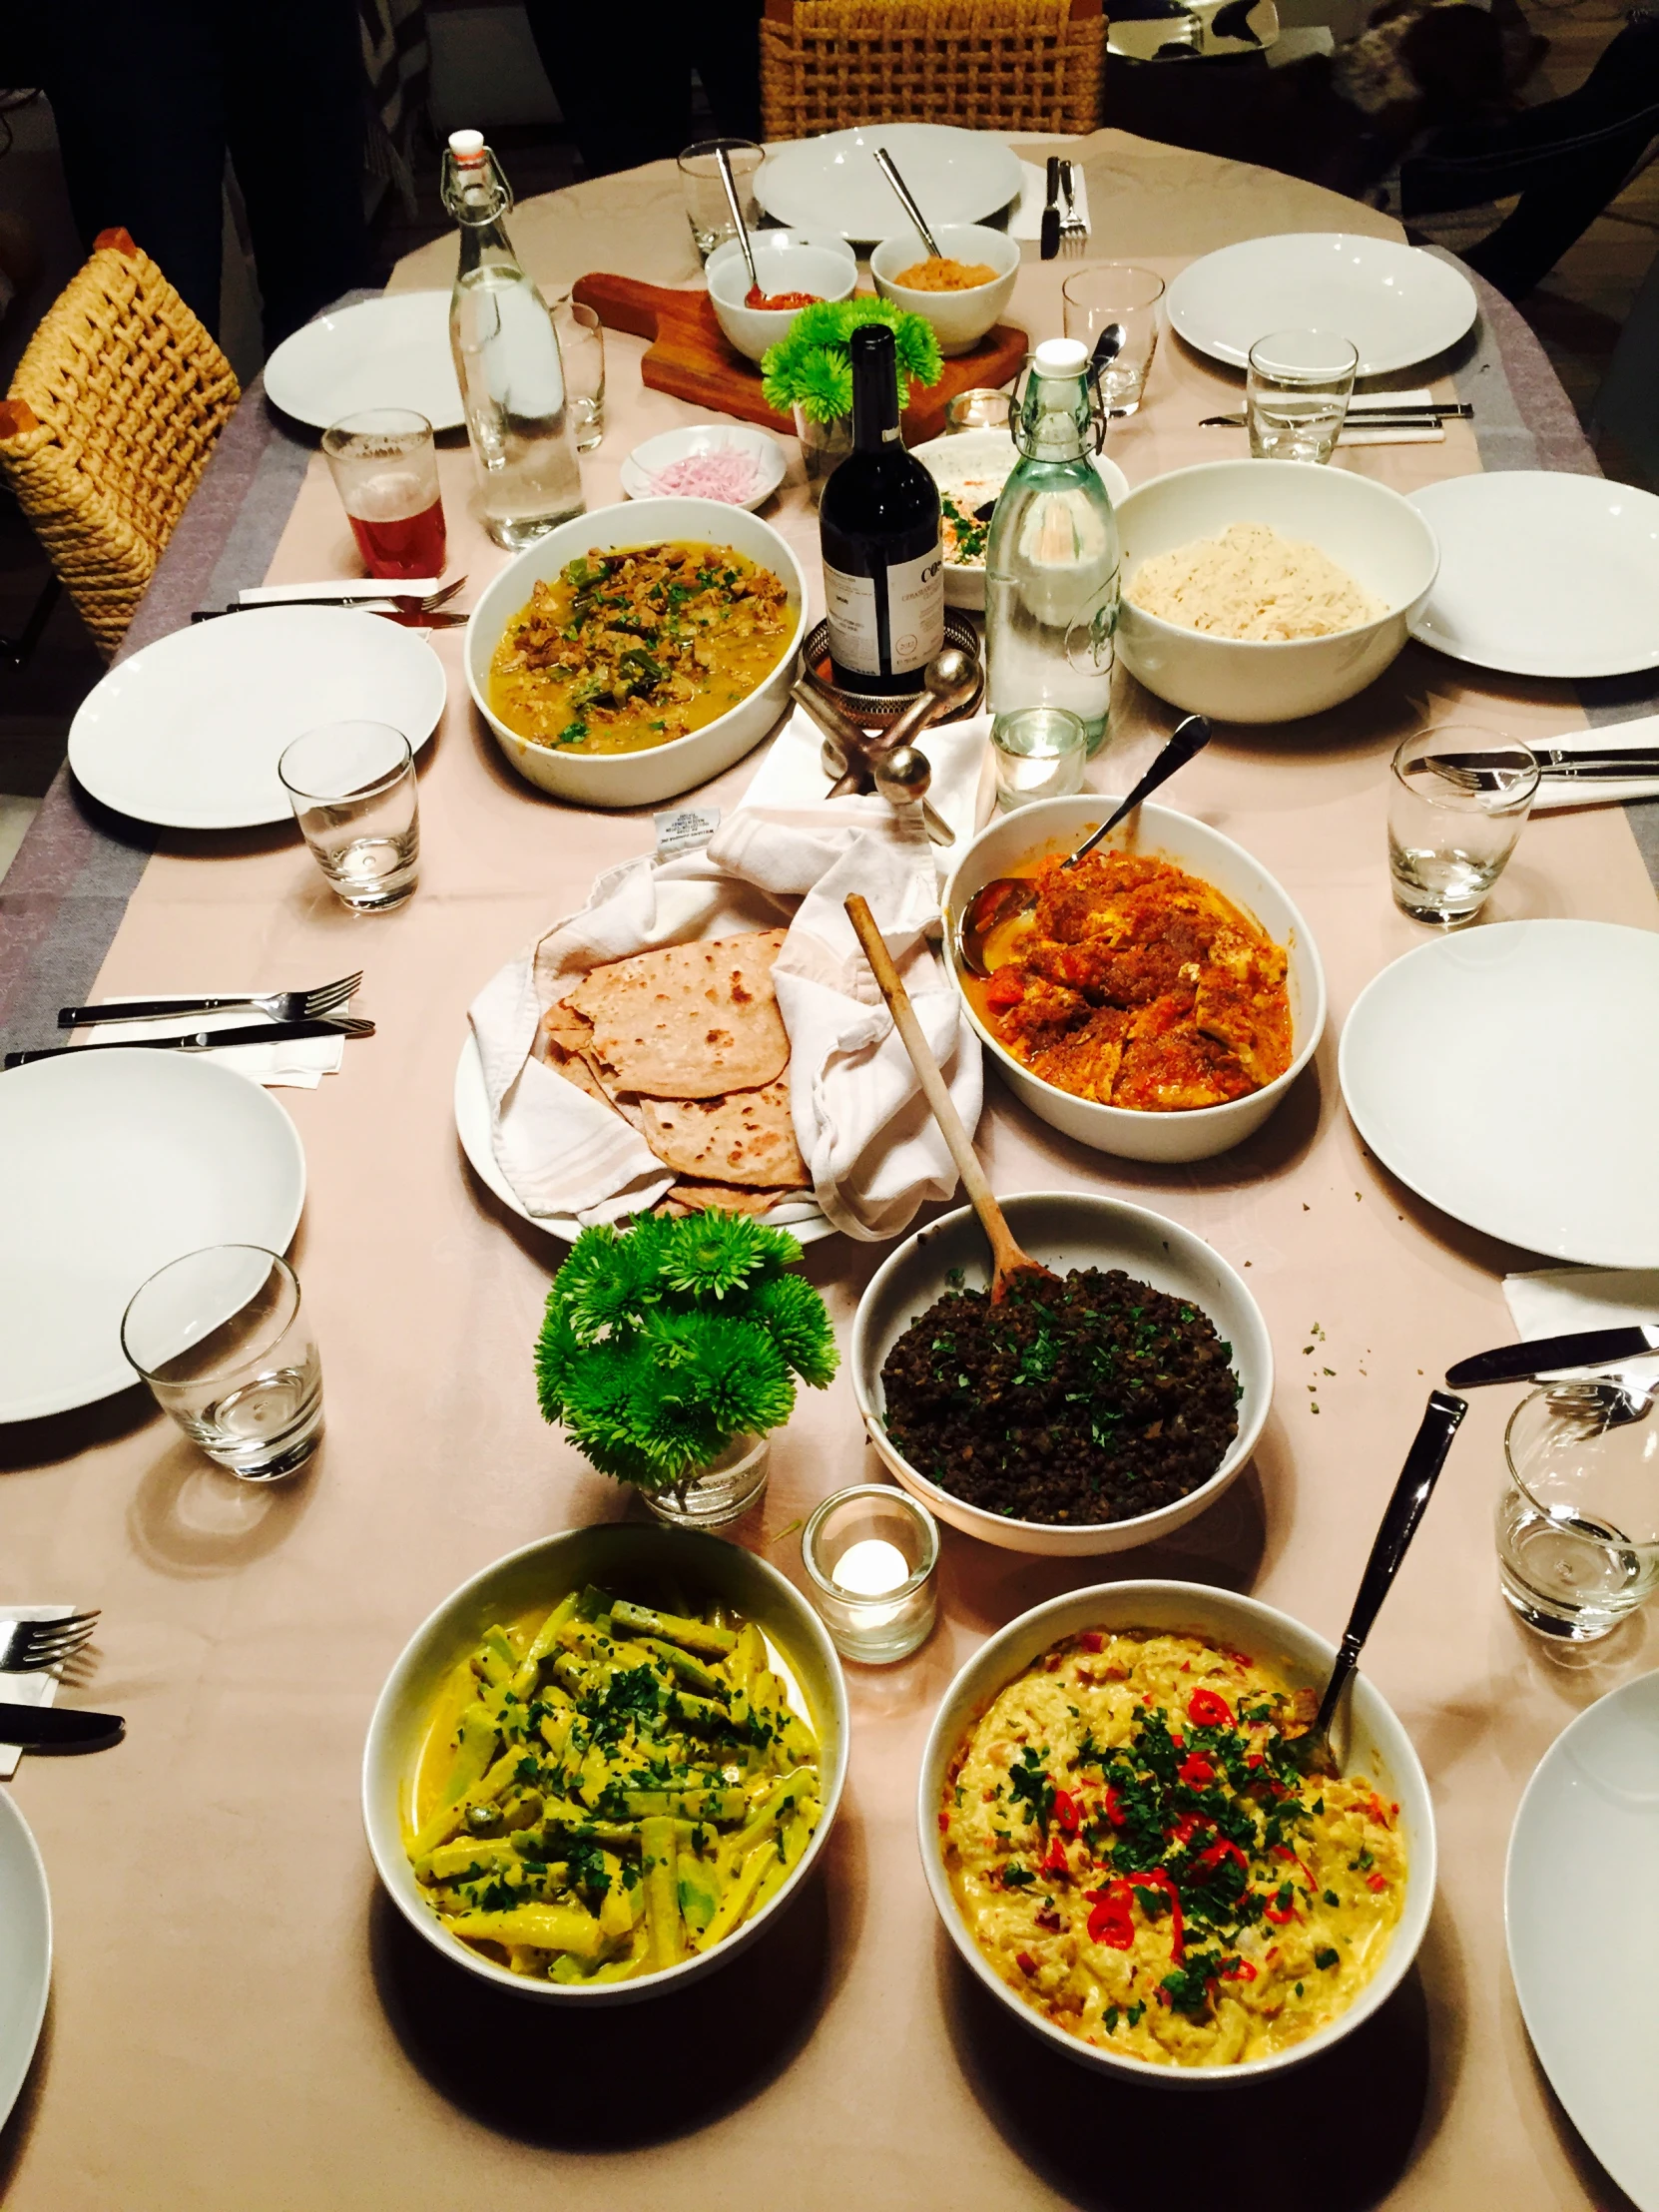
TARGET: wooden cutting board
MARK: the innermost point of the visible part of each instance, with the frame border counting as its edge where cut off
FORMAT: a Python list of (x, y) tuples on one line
[(689, 358)]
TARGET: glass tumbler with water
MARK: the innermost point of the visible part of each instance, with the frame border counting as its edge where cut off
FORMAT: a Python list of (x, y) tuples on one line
[(1458, 799), (1297, 394), (708, 209), (221, 1340), (1038, 753), (352, 785), (1578, 1521)]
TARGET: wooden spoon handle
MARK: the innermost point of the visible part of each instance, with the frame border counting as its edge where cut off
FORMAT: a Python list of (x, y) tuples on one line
[(1005, 1252)]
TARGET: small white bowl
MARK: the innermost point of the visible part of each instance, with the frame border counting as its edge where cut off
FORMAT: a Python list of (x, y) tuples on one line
[(1378, 1745), (1379, 537), (960, 318), (648, 460), (988, 456), (1063, 1228), (1059, 825), (785, 260), (616, 1556), (636, 779)]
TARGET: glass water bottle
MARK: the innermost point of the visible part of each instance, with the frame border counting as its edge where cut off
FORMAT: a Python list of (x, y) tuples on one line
[(506, 360), (1051, 561)]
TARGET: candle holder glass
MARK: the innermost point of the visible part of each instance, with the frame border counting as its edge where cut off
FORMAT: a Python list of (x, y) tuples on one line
[(886, 1545)]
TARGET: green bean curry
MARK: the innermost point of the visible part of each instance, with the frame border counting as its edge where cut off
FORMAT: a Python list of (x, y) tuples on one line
[(627, 650), (610, 1790)]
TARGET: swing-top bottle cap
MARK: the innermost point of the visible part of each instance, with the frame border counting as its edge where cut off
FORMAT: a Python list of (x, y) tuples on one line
[(467, 146), (1056, 356)]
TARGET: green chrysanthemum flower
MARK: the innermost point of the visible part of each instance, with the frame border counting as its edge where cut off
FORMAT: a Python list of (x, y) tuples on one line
[(710, 1254), (823, 388), (791, 1313)]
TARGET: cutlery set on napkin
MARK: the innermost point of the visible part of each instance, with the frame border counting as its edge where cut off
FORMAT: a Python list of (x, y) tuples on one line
[(297, 1040)]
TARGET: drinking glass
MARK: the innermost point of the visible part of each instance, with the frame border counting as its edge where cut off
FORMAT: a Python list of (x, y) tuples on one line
[(1040, 752), (1297, 394), (979, 409), (1116, 292), (582, 350), (220, 1338), (1452, 825), (352, 785), (707, 207), (1578, 1521), (385, 469)]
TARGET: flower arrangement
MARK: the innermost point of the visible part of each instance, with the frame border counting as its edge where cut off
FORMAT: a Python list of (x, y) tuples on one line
[(810, 366), (663, 1342)]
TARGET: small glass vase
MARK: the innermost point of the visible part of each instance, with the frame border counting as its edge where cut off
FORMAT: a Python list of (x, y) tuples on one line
[(822, 445), (723, 1492)]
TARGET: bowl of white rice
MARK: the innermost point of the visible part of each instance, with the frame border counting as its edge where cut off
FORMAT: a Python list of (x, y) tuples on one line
[(1261, 591)]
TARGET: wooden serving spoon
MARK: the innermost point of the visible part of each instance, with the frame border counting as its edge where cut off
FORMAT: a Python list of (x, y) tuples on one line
[(1008, 1258)]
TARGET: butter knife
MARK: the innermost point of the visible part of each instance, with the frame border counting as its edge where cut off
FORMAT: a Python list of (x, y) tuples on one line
[(1050, 244), (53, 1728), (1584, 1347), (205, 1040)]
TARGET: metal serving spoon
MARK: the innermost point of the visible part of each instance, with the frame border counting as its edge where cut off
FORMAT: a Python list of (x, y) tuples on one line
[(730, 182), (885, 164), (1004, 896), (1399, 1525)]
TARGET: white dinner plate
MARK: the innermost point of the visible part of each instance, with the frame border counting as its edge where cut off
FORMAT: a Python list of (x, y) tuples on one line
[(705, 437), (831, 183), (800, 1217), (1582, 1917), (390, 352), (1395, 304), (1542, 573), (25, 1949), (187, 732), (1511, 1075), (112, 1164)]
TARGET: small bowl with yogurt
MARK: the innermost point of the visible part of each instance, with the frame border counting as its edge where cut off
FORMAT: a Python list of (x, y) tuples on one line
[(970, 469)]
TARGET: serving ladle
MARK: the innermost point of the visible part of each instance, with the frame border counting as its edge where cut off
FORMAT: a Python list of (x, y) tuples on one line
[(1399, 1525), (907, 200), (722, 162), (1008, 1258), (1004, 896)]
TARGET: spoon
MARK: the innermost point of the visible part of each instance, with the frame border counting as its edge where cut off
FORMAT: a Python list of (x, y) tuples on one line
[(1399, 1525), (884, 163), (730, 182), (1004, 896), (1007, 1259)]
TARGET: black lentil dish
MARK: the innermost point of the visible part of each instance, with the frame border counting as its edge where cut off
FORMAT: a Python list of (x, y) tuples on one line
[(1092, 1398)]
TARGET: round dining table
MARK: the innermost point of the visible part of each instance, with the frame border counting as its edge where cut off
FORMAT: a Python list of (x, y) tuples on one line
[(239, 2019)]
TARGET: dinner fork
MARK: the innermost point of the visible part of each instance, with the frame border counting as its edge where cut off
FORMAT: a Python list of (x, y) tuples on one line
[(34, 1647), (1074, 231), (388, 600), (279, 1006)]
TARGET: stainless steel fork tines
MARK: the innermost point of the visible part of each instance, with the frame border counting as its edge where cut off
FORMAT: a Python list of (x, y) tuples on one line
[(1074, 231), (36, 1647), (279, 1006)]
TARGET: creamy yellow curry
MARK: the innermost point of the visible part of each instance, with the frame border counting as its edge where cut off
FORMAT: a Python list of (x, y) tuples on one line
[(631, 649), (1137, 1852)]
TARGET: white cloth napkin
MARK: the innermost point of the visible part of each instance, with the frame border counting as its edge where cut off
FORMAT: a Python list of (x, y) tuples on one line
[(1554, 793), (27, 1688), (791, 775), (1025, 218), (1374, 402), (1557, 1299), (334, 587), (297, 1063), (862, 1127)]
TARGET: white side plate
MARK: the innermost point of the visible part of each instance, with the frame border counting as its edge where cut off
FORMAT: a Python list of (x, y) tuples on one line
[(390, 352), (25, 1949), (831, 183), (1395, 304)]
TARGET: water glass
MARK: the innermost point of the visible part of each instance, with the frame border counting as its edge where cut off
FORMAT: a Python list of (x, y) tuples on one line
[(1578, 1521), (1040, 752), (1115, 292), (708, 209), (385, 469), (582, 352), (870, 1555), (352, 785), (1297, 394), (1452, 825), (220, 1338), (979, 409)]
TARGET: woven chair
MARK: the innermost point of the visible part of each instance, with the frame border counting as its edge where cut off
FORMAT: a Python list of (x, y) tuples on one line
[(988, 64), (112, 416)]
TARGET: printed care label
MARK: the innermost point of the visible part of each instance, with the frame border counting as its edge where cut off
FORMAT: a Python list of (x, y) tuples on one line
[(915, 617), (683, 829)]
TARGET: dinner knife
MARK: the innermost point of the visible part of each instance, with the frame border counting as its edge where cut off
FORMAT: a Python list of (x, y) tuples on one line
[(1366, 419), (205, 1040), (1552, 760), (1051, 211), (1584, 1347), (53, 1728)]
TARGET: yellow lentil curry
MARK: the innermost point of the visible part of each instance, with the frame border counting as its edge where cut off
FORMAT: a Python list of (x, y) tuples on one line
[(631, 649), (1138, 1853)]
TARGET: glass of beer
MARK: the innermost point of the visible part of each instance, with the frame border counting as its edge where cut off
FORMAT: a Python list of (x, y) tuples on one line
[(385, 469)]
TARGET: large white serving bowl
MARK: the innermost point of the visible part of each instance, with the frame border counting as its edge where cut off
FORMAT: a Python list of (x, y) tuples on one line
[(1371, 532), (638, 779), (1059, 825), (619, 1557), (785, 260), (979, 463), (959, 318), (1378, 1747), (1063, 1228)]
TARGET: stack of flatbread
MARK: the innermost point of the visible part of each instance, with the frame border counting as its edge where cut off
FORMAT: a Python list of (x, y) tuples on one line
[(688, 1045)]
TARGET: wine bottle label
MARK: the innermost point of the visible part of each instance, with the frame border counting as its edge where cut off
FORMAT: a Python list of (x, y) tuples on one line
[(907, 617)]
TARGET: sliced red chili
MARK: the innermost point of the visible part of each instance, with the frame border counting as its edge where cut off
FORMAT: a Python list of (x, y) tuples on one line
[(1206, 1710), (1067, 1813), (1238, 1970), (1114, 1806), (1091, 1639), (1158, 1880), (1196, 1769), (1025, 1963), (1187, 1826), (1053, 1861), (1278, 1918), (1376, 1881), (1111, 1922), (1209, 1861)]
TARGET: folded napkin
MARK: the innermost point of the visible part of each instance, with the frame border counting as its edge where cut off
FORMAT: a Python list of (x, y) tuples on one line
[(1556, 792), (791, 775), (27, 1688), (863, 1130), (1025, 218), (1557, 1299), (297, 1064), (1363, 404), (334, 587)]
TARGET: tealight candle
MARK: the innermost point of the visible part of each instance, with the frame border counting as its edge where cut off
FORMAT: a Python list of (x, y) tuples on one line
[(871, 1554)]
